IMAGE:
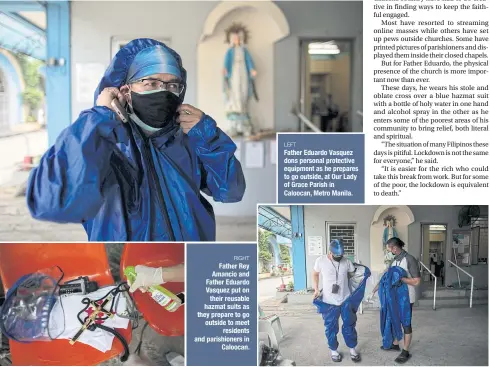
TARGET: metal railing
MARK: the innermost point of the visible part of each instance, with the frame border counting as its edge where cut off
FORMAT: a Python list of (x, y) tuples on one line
[(472, 280), (308, 123), (361, 115), (305, 122), (435, 283), (361, 307)]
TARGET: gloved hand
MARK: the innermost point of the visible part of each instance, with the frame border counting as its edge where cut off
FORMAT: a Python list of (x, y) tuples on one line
[(146, 277)]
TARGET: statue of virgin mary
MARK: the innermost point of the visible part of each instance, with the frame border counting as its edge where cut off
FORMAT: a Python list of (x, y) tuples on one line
[(239, 73), (388, 233)]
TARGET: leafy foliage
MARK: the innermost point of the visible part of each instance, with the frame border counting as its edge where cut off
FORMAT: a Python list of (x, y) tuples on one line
[(284, 253), (33, 94), (264, 245)]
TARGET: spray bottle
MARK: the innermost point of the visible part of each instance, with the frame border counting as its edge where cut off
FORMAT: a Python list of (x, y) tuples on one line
[(160, 295)]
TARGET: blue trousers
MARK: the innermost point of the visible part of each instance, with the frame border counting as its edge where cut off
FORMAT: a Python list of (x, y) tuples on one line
[(331, 322)]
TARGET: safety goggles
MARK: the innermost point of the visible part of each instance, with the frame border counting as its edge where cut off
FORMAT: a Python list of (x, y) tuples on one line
[(151, 84)]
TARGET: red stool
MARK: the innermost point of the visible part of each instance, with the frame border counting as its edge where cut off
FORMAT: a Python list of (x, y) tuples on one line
[(157, 255), (75, 259)]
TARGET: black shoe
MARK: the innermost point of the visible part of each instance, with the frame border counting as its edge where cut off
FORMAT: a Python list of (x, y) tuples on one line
[(337, 358), (403, 357), (394, 347)]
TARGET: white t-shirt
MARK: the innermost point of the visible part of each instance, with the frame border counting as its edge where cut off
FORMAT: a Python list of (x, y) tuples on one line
[(66, 318), (333, 272)]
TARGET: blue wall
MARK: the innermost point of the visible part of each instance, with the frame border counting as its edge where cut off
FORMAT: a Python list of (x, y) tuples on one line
[(58, 87), (298, 239), (58, 83), (14, 90)]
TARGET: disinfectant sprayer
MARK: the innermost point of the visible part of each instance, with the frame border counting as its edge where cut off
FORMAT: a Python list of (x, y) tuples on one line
[(161, 295)]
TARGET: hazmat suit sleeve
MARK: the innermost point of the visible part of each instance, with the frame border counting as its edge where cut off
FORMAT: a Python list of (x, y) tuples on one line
[(222, 173), (69, 183)]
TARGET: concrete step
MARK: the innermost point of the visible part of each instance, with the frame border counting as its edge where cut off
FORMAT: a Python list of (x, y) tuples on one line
[(478, 293), (451, 298), (451, 302), (444, 307), (444, 293), (441, 302), (455, 293)]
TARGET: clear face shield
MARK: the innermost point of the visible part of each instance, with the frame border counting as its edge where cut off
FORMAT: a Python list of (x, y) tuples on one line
[(31, 304)]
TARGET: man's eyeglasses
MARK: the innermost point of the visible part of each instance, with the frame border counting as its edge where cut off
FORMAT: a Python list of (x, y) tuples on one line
[(150, 84)]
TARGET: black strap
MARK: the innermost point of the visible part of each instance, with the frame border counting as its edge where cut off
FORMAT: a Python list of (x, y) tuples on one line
[(123, 341), (402, 256), (336, 272), (138, 347), (121, 288)]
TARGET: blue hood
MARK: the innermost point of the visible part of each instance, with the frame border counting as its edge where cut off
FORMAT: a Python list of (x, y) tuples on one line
[(139, 58)]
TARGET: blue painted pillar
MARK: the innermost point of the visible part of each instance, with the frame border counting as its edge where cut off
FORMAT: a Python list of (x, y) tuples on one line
[(277, 251), (58, 83), (299, 252)]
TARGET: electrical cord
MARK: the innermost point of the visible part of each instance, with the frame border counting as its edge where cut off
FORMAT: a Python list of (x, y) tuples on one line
[(138, 348), (131, 312)]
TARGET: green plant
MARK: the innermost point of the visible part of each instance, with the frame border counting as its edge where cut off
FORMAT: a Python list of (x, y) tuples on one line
[(32, 98), (33, 93), (284, 253), (264, 245)]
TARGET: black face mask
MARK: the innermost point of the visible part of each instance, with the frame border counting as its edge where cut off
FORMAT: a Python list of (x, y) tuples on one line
[(157, 109), (337, 258)]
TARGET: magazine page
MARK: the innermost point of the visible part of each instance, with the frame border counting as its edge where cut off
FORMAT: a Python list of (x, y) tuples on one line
[(427, 77)]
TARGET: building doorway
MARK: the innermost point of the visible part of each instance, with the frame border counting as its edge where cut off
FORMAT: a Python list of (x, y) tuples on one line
[(326, 75), (433, 251), (479, 240)]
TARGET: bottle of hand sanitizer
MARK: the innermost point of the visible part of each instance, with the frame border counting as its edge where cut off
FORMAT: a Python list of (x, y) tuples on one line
[(161, 295)]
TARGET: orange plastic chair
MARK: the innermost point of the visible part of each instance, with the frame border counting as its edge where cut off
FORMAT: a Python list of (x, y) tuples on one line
[(157, 255), (75, 259)]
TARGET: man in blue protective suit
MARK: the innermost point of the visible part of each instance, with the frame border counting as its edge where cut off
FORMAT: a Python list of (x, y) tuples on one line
[(338, 298), (140, 180), (405, 298)]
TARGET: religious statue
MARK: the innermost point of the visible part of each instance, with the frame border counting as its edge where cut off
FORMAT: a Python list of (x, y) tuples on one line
[(389, 232), (239, 73)]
